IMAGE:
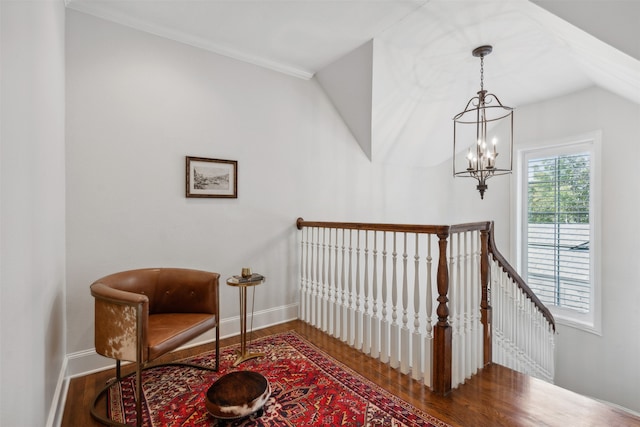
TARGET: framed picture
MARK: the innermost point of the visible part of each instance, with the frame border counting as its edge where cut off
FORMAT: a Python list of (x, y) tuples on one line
[(212, 178)]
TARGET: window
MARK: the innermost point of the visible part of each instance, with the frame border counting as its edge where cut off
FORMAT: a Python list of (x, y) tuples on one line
[(559, 244)]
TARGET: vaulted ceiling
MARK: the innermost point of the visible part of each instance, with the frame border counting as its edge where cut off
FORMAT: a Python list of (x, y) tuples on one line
[(421, 69)]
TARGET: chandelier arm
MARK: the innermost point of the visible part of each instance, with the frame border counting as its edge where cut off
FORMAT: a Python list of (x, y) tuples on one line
[(493, 96), (467, 109)]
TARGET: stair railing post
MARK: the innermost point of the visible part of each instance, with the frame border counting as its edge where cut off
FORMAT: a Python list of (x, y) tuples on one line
[(485, 306), (442, 352)]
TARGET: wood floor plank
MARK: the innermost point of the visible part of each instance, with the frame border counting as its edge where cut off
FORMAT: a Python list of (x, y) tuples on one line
[(497, 396)]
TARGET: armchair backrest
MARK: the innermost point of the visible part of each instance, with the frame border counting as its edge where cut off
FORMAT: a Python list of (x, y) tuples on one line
[(184, 291), (169, 290)]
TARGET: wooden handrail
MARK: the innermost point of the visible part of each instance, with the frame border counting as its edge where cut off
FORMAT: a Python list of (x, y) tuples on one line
[(401, 228), (471, 226), (513, 274)]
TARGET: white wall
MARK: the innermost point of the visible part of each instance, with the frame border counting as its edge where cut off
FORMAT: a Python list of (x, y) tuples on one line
[(137, 104), (605, 367), (32, 222)]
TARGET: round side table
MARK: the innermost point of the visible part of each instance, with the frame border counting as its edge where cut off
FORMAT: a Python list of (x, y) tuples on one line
[(242, 284)]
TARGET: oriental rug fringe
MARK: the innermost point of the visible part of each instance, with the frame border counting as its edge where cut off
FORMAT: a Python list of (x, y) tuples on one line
[(309, 388)]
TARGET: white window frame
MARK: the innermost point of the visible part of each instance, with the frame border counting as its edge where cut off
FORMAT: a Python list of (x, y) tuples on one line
[(591, 142)]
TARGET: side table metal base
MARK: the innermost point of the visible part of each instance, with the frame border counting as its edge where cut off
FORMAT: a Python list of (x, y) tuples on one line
[(244, 357), (244, 354)]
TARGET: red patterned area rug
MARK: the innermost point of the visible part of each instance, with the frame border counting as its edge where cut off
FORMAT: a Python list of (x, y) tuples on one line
[(309, 388)]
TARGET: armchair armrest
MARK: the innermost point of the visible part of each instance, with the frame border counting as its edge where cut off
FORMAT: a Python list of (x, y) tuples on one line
[(121, 320), (107, 293)]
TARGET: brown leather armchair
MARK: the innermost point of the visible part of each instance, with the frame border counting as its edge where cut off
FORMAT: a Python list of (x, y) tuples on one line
[(142, 314)]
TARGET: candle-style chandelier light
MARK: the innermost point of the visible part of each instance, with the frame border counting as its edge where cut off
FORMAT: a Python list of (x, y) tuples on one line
[(483, 135)]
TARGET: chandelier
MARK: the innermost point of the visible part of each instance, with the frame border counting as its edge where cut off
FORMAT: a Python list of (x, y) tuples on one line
[(483, 135)]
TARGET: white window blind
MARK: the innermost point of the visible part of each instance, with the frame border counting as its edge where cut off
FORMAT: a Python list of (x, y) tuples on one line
[(558, 231)]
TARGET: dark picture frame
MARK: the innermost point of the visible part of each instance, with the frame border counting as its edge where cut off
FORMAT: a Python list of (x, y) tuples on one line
[(215, 178)]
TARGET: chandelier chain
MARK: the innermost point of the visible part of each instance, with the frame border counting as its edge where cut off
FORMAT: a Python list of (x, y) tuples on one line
[(481, 72)]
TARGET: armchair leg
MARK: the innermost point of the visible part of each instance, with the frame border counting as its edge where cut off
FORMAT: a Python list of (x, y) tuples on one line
[(103, 393), (138, 394), (217, 347)]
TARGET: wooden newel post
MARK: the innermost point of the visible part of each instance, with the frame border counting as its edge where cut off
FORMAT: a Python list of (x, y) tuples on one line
[(485, 306), (442, 348)]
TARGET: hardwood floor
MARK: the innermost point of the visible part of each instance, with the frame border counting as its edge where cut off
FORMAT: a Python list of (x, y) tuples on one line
[(496, 397)]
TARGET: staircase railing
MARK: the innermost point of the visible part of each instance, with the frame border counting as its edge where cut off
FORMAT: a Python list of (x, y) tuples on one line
[(523, 327), (419, 298)]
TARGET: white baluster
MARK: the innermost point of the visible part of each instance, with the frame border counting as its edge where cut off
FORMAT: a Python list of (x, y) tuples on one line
[(478, 354), (343, 288), (462, 285), (333, 284), (303, 278), (313, 271), (405, 343), (468, 309), (514, 325), (461, 308), (395, 332), (375, 319), (551, 350), (309, 292), (357, 332), (327, 299), (384, 333), (323, 301), (337, 306), (453, 311), (475, 302), (505, 322), (528, 346), (474, 310), (428, 334), (539, 342), (504, 317), (416, 339), (366, 320), (519, 337), (349, 337), (317, 321), (511, 323), (497, 303)]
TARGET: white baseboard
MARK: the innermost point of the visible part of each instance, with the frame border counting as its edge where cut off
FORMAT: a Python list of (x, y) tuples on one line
[(622, 408), (86, 362)]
